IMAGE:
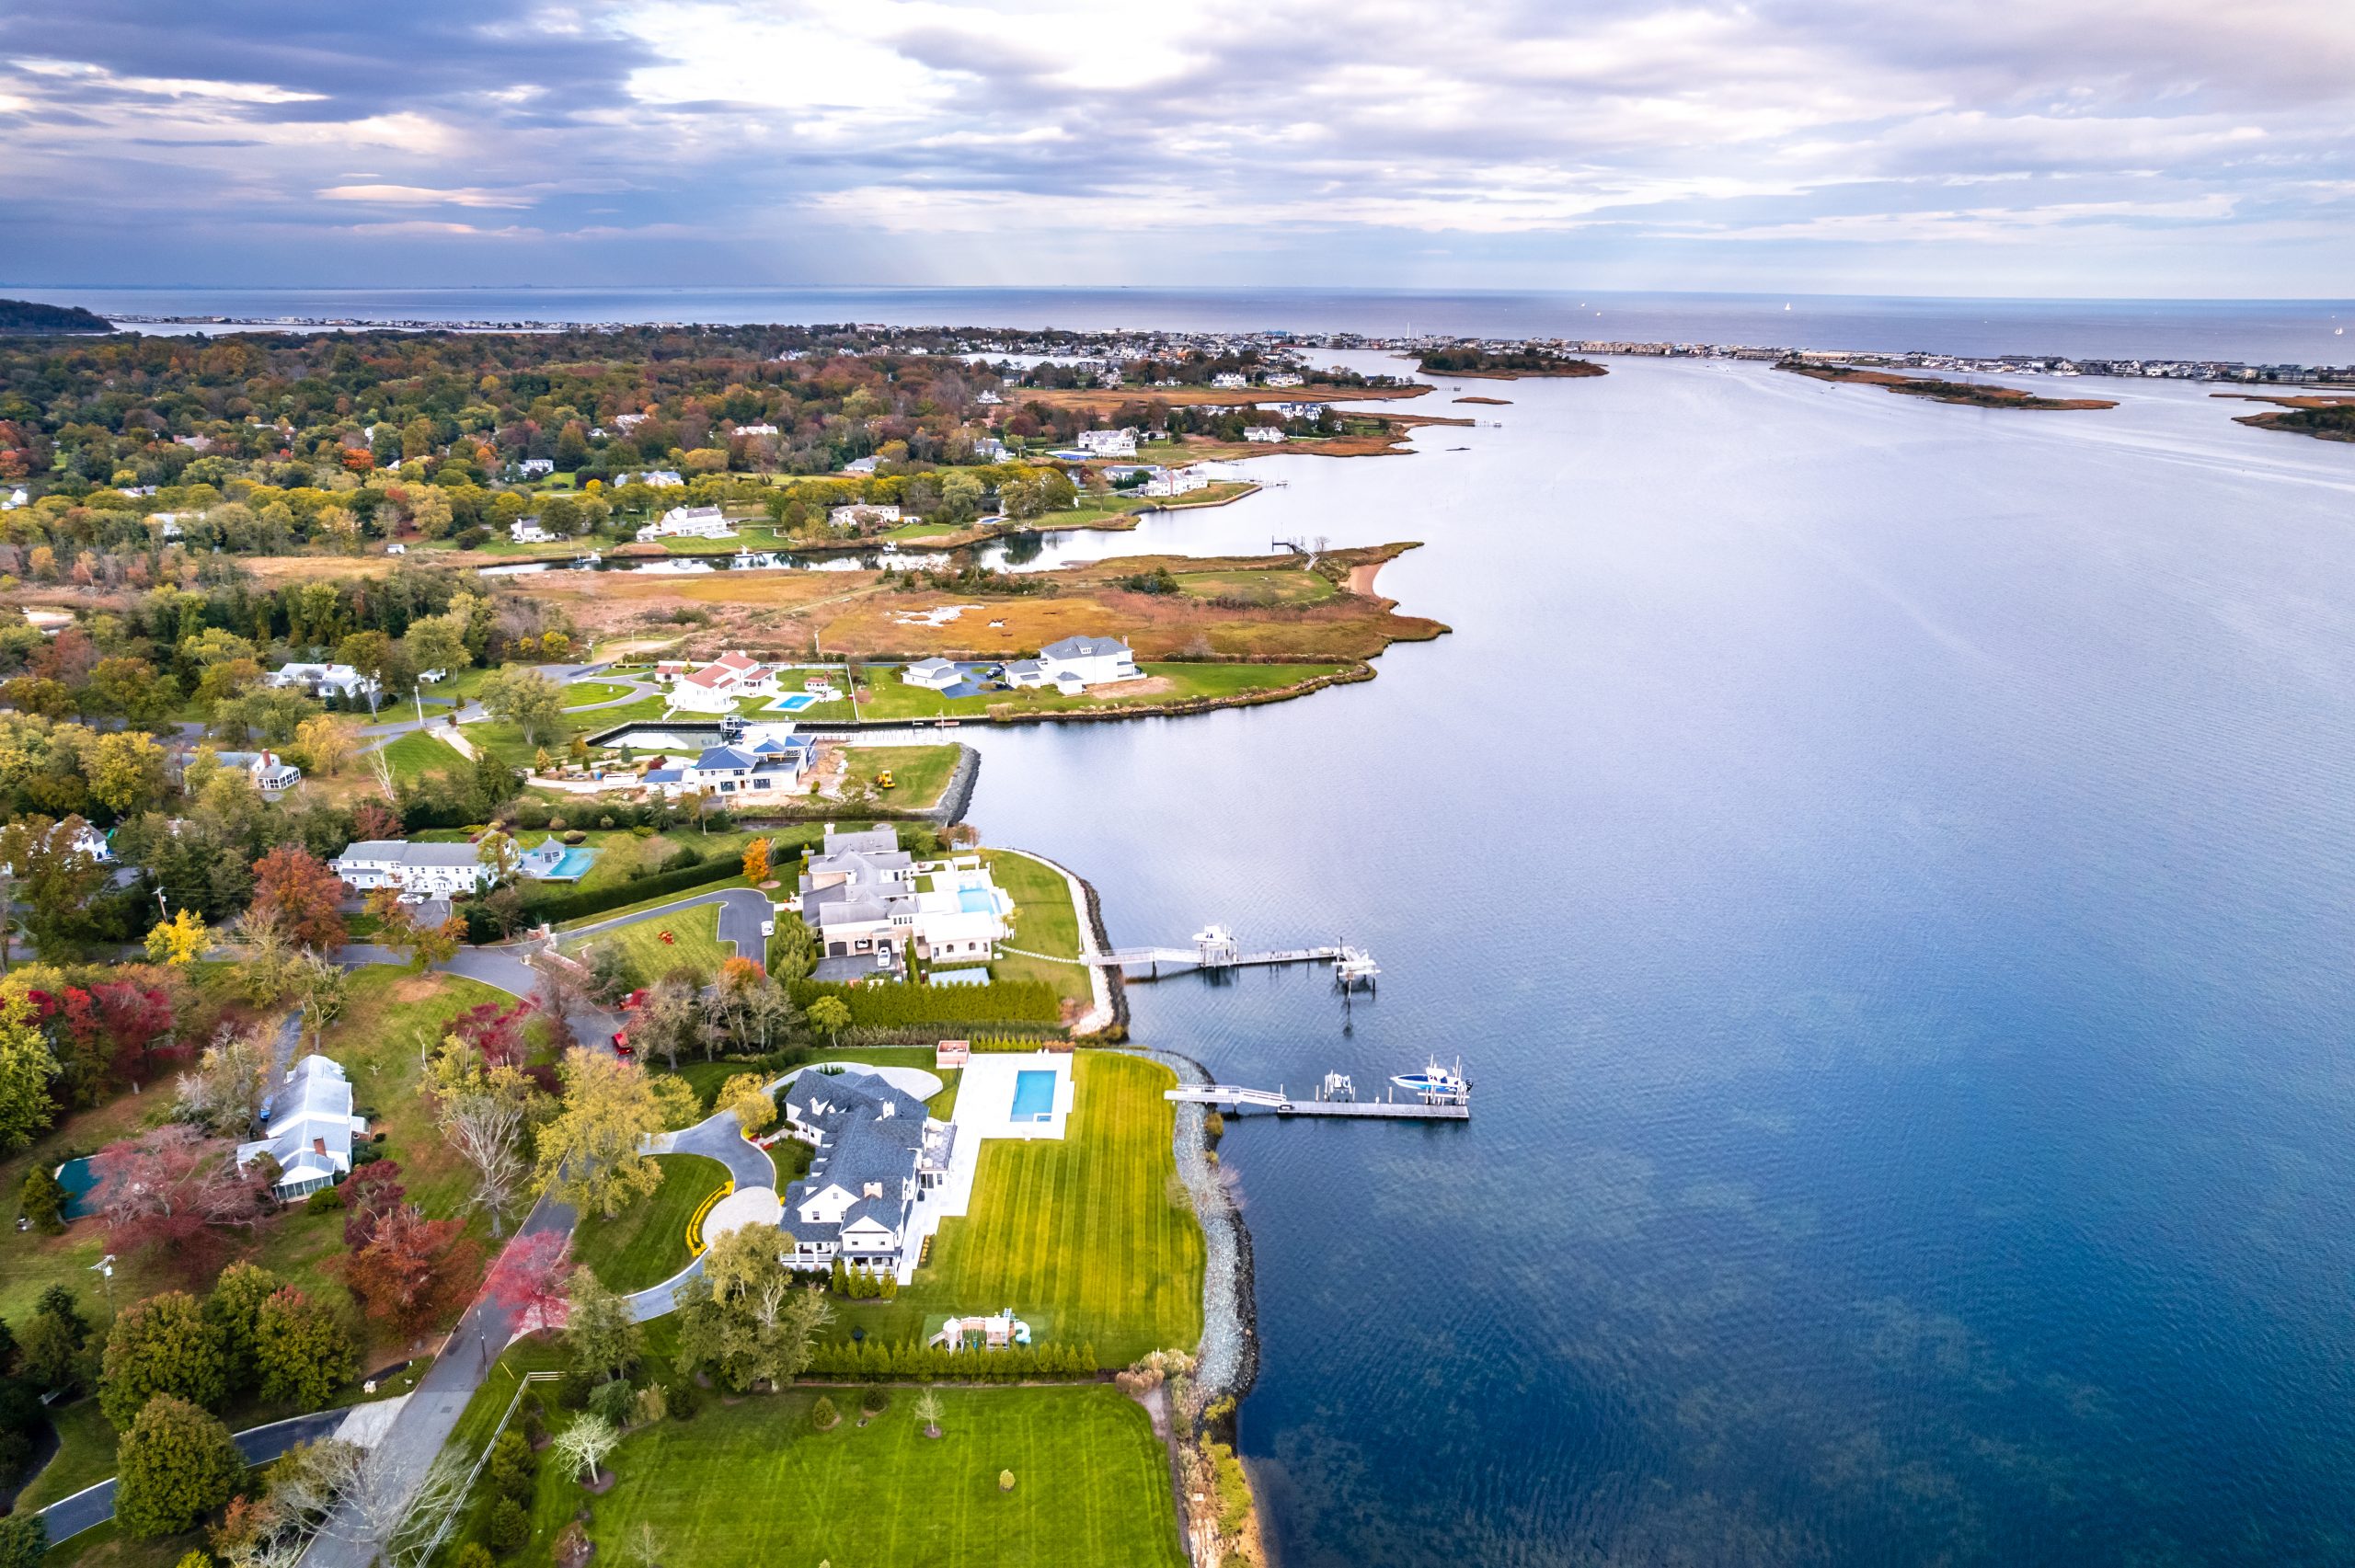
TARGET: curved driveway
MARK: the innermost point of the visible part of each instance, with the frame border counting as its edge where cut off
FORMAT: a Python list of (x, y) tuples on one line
[(95, 1505), (743, 913)]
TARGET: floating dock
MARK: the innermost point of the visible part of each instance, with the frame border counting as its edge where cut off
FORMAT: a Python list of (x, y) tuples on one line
[(1215, 948), (1335, 1097)]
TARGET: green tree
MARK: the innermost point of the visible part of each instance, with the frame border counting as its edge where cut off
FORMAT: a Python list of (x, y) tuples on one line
[(603, 1340), (43, 1201), (509, 1529), (50, 1346), (24, 1540), (158, 1347), (500, 856), (176, 1465), (303, 1349), (831, 1014), (233, 1308), (589, 1152), (126, 771), (526, 698)]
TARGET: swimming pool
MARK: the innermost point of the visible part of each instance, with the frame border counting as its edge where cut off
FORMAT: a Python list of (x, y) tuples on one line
[(793, 703), (1034, 1096), (977, 901)]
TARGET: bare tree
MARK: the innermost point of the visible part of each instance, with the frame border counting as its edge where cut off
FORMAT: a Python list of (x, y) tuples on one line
[(585, 1443), (486, 1128), (381, 1507), (380, 768), (229, 1086), (562, 991)]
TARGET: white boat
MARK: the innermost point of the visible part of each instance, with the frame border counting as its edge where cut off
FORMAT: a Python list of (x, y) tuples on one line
[(1436, 1083)]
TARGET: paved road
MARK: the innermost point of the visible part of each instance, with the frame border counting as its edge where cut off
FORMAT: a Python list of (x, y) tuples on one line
[(743, 913), (500, 966), (717, 1137), (95, 1505)]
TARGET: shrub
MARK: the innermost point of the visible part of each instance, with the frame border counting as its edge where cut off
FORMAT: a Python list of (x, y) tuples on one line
[(474, 1554), (577, 836), (823, 1415), (44, 1200), (875, 1401), (509, 1529), (176, 1465), (513, 1466), (685, 1401), (614, 1400)]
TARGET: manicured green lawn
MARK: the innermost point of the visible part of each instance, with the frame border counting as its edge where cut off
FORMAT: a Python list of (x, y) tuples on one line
[(918, 773), (86, 1455), (1044, 922), (753, 1484), (646, 1242), (694, 944), (888, 697), (581, 693), (1090, 1239), (105, 1547), (419, 753), (1259, 588)]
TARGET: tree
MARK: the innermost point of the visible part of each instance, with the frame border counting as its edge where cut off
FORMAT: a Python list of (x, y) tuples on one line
[(297, 893), (748, 1097), (50, 1346), (676, 1102), (226, 1091), (161, 1345), (486, 1122), (329, 741), (605, 1341), (530, 1279), (233, 1308), (744, 1316), (371, 1192), (24, 1540), (386, 1513), (302, 1350), (323, 985), (413, 1270), (42, 1200), (585, 1443), (562, 991), (589, 1153), (55, 877), (264, 960), (756, 862), (831, 1014), (125, 771), (177, 1464), (500, 856), (927, 1410), (175, 1192), (27, 1066), (526, 698), (438, 642), (183, 939)]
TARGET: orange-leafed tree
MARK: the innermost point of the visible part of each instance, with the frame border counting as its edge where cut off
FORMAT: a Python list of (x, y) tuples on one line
[(296, 892)]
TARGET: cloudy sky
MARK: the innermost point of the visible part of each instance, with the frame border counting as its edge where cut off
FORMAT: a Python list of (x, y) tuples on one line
[(2080, 147)]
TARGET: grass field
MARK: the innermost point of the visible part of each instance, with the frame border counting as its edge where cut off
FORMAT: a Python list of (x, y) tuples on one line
[(581, 693), (751, 1484), (417, 754), (885, 696), (1089, 1239), (86, 1455), (919, 772), (646, 1242), (1259, 588), (1044, 922), (105, 1547), (694, 944)]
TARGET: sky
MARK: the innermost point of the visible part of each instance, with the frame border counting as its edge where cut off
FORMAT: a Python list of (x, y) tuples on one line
[(2087, 148)]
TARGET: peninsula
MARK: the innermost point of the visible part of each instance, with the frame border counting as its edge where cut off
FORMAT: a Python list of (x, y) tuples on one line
[(1975, 394), (2324, 418)]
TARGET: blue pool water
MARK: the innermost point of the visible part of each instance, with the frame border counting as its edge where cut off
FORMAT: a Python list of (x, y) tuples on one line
[(976, 900), (1034, 1096), (575, 864), (792, 703)]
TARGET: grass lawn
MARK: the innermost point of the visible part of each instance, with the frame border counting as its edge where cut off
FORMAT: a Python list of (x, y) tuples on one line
[(646, 1242), (919, 772), (85, 1454), (1259, 588), (105, 1547), (581, 693), (885, 696), (1090, 1239), (1044, 922), (419, 753), (753, 1484), (694, 944)]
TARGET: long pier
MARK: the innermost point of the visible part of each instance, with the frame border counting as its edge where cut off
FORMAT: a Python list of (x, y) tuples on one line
[(1219, 959), (1235, 1099)]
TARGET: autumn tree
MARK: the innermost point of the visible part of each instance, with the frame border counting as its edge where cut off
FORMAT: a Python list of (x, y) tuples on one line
[(413, 1270), (830, 1014), (176, 1465), (303, 1351), (126, 771), (183, 939), (177, 1194), (744, 1316), (747, 1096), (756, 862), (562, 991), (329, 741), (589, 1153), (161, 1345), (298, 894), (371, 1192), (531, 1279)]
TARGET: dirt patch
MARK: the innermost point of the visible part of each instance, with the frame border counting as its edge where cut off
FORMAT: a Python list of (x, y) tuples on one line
[(1361, 578), (1150, 686), (1497, 402), (417, 988)]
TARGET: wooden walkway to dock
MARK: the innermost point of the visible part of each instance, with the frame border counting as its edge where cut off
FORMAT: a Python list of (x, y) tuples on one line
[(1234, 1099)]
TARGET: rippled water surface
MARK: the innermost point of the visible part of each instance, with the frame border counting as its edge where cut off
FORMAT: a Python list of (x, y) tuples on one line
[(1891, 873)]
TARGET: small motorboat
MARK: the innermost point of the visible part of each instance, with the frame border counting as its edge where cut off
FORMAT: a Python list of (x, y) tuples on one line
[(1435, 1083)]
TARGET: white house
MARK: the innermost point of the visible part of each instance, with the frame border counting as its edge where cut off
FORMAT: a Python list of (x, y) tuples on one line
[(438, 869), (49, 623), (14, 498), (1175, 482), (660, 479), (1074, 664), (877, 1150), (755, 430), (318, 680), (531, 466), (1109, 444), (168, 524), (866, 899), (273, 775), (769, 759), (1268, 434), (1302, 410), (1285, 378), (688, 522), (987, 399), (935, 674), (630, 421), (529, 531), (989, 449), (1231, 380), (719, 685), (861, 514), (310, 1128), (396, 548), (860, 466)]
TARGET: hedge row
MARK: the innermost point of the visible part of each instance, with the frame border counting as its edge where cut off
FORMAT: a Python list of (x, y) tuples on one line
[(872, 1360), (889, 1006), (580, 902)]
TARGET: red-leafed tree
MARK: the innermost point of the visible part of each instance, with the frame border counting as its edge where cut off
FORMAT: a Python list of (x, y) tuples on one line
[(413, 1271), (295, 891), (139, 1022), (497, 1032), (529, 1278), (372, 1191), (373, 819), (178, 1193)]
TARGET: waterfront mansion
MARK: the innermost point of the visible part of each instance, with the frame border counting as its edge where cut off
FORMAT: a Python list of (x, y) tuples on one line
[(876, 1149), (871, 904), (1074, 664), (717, 687)]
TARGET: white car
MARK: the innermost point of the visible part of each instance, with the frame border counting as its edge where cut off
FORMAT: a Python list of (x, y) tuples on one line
[(414, 898)]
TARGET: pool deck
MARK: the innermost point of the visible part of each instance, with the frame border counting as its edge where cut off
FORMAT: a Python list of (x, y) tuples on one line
[(984, 1110)]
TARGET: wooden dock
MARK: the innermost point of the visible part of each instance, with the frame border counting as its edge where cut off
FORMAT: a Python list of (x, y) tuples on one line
[(1199, 957), (1233, 1100)]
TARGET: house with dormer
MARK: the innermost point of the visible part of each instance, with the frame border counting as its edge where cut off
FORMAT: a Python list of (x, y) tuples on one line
[(310, 1130), (877, 1151), (769, 759)]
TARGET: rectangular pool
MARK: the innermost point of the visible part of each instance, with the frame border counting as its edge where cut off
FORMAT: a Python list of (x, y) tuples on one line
[(1034, 1096), (793, 703)]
